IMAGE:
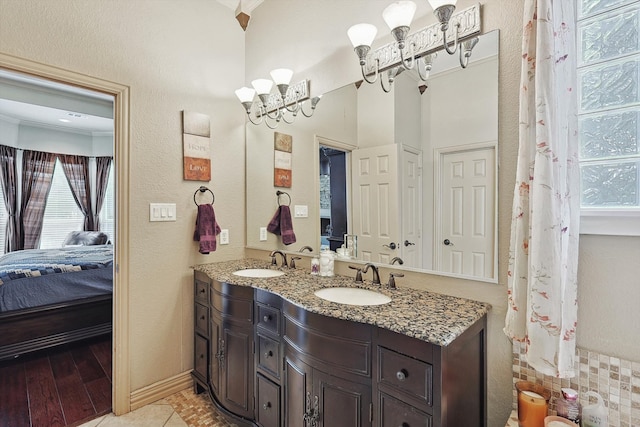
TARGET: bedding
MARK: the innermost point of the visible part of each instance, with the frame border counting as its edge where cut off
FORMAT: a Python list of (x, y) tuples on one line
[(35, 277)]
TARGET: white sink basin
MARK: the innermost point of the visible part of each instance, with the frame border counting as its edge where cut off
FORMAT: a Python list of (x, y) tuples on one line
[(261, 273), (352, 296)]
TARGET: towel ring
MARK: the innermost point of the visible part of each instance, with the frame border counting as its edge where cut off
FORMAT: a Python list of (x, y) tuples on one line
[(280, 193), (202, 189)]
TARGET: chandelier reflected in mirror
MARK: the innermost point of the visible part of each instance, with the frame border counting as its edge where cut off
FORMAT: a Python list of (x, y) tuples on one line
[(419, 49), (273, 108)]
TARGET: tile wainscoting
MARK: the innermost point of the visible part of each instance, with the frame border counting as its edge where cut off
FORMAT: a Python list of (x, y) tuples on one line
[(616, 380)]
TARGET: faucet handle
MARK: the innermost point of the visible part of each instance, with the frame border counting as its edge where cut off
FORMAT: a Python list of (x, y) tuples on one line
[(392, 280), (292, 264), (358, 273)]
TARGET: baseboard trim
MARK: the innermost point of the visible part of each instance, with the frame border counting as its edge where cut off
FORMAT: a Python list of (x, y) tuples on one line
[(160, 390)]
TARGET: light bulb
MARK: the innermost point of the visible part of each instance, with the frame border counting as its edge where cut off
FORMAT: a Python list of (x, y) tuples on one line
[(262, 86), (439, 3), (245, 94), (362, 34), (281, 76), (399, 14)]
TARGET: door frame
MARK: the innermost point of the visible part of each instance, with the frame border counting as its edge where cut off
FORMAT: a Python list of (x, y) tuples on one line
[(404, 148), (121, 383), (347, 148), (438, 156)]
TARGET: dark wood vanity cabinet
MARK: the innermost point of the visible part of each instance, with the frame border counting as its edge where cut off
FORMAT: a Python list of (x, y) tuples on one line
[(327, 371), (270, 363), (227, 350)]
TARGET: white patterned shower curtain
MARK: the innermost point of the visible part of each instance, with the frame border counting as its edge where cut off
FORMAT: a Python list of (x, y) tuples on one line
[(543, 254)]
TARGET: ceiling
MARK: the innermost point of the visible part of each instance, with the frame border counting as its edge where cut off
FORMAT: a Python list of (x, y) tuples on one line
[(26, 100)]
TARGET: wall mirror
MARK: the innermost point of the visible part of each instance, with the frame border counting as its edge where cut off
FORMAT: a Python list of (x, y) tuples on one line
[(411, 173)]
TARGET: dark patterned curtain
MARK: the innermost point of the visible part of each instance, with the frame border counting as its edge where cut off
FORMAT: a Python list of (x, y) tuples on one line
[(103, 165), (8, 180), (37, 173), (76, 169)]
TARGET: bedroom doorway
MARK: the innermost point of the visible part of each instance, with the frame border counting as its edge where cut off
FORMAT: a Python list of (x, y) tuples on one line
[(120, 96)]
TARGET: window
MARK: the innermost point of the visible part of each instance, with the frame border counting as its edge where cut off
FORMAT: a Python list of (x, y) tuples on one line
[(107, 213), (609, 115), (61, 215)]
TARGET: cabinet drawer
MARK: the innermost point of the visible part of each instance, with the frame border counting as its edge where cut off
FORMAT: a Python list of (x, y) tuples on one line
[(394, 412), (268, 403), (406, 374), (202, 319), (201, 291), (268, 318), (269, 355), (238, 309), (201, 357)]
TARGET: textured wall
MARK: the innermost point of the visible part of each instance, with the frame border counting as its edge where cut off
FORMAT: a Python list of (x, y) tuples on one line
[(174, 55)]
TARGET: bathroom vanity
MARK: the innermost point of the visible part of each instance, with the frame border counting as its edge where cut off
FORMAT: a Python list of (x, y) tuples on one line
[(271, 353)]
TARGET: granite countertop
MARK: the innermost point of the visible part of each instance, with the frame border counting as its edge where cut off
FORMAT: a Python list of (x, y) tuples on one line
[(428, 316)]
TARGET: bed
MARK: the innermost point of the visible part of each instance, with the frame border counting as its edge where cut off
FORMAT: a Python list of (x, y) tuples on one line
[(50, 297)]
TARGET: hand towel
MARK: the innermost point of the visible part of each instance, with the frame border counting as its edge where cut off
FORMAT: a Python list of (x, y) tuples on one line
[(206, 228), (282, 225)]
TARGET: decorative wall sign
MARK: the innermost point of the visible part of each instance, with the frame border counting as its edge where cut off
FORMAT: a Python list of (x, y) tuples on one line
[(283, 148), (196, 139)]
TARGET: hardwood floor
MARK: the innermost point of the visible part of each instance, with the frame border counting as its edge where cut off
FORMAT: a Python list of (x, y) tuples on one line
[(59, 387)]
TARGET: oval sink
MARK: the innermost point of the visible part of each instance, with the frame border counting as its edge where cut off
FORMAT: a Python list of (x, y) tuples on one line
[(261, 273), (352, 296)]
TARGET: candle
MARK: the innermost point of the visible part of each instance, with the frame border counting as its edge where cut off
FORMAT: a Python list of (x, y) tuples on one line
[(532, 408)]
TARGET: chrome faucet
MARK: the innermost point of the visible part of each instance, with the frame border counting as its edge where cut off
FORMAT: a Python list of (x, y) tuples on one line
[(397, 259), (376, 274), (306, 248), (273, 258)]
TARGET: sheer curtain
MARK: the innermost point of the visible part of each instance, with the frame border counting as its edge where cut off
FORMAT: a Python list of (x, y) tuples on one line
[(76, 169), (9, 182), (37, 173), (543, 256)]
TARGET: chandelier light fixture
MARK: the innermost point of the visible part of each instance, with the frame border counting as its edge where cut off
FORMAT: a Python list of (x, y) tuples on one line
[(419, 49), (272, 108)]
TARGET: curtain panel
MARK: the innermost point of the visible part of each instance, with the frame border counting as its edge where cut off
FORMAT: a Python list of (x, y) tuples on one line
[(543, 255), (103, 166), (76, 170), (9, 182), (37, 174)]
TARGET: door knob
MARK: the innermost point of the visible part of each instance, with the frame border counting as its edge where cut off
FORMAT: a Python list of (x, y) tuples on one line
[(408, 243), (447, 242), (391, 246)]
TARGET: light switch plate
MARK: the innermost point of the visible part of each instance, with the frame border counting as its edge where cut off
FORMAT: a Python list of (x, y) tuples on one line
[(224, 237), (301, 211), (162, 212), (263, 234)]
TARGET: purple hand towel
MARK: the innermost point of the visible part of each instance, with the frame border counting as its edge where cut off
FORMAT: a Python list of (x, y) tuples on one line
[(282, 225), (206, 229)]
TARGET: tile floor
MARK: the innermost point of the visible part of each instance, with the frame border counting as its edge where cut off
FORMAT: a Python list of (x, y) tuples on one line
[(182, 409)]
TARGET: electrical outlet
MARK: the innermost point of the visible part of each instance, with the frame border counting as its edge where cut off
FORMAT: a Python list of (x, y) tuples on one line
[(263, 234), (224, 237), (301, 211)]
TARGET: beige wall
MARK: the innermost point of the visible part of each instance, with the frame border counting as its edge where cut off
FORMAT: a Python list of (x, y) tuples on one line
[(190, 54), (312, 40), (174, 55)]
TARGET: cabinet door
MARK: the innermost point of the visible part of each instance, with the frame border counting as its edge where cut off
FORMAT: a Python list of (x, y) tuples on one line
[(214, 358), (297, 380), (237, 369), (342, 403)]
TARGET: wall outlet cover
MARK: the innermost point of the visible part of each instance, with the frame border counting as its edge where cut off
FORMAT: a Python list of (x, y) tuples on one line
[(224, 237), (263, 234)]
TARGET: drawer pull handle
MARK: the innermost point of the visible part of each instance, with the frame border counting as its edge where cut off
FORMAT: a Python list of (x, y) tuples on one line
[(202, 290), (266, 406), (268, 353), (266, 318), (404, 425), (402, 374), (202, 317)]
